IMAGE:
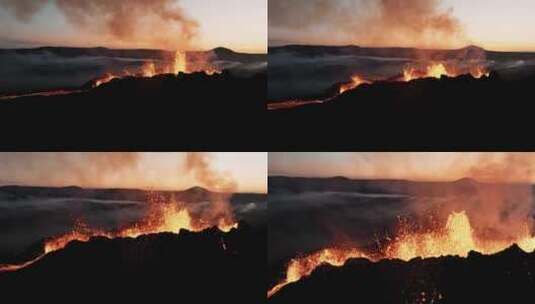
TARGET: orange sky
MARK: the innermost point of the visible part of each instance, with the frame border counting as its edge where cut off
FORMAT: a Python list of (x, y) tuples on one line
[(160, 171), (447, 166), (500, 25), (236, 24)]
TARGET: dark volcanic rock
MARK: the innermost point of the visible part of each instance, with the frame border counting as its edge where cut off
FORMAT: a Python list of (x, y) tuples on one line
[(433, 113), (209, 267), (506, 277), (202, 110)]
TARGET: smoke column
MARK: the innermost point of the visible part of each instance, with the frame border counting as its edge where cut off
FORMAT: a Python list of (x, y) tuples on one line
[(419, 23), (145, 23)]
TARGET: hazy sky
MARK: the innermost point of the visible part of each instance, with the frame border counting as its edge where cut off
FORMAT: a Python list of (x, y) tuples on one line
[(236, 24), (415, 166), (492, 24), (126, 170)]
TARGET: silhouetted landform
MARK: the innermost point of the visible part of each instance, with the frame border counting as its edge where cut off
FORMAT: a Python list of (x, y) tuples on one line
[(467, 53), (506, 277), (220, 52), (137, 111), (207, 266), (422, 113), (193, 194), (296, 185)]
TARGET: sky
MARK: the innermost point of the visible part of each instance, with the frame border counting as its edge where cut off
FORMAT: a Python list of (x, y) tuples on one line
[(236, 24), (157, 171), (517, 167), (500, 25)]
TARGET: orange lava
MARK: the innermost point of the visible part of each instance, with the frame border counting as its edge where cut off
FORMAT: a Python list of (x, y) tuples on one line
[(302, 267), (355, 82), (456, 238), (430, 70), (180, 63), (439, 69), (162, 217)]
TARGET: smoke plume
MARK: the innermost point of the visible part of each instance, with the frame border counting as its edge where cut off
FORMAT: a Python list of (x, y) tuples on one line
[(419, 23), (200, 166), (143, 23), (498, 197)]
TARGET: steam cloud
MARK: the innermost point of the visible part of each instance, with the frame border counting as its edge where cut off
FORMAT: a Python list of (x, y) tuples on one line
[(501, 206), (419, 23), (200, 166), (143, 23)]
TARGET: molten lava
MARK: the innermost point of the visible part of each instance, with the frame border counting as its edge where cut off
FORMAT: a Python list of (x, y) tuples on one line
[(439, 69), (428, 70), (180, 63), (302, 267), (355, 82), (456, 238), (162, 217)]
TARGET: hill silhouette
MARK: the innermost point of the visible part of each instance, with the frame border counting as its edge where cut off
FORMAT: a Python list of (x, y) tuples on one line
[(208, 266), (505, 277)]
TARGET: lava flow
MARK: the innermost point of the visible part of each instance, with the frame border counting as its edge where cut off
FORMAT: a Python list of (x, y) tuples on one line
[(180, 63), (162, 217), (409, 73), (439, 69), (456, 238)]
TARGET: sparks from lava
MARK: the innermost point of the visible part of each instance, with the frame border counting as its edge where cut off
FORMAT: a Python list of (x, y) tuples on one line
[(456, 238), (162, 217)]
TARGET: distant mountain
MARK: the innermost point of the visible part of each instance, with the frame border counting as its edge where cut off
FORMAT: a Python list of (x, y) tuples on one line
[(222, 53), (285, 185), (469, 52), (194, 194)]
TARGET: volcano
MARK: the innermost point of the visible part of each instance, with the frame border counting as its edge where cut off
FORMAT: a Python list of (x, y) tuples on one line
[(505, 277), (208, 266)]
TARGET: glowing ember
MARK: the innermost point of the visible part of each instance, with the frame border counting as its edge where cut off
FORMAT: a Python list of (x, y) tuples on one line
[(355, 82), (456, 238)]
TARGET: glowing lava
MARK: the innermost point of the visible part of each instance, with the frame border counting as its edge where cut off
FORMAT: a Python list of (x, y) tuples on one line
[(439, 69), (456, 238), (162, 217), (302, 267), (355, 82), (180, 63)]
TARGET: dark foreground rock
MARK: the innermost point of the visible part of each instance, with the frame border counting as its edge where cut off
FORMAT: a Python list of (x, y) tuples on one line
[(433, 113), (202, 110), (506, 277), (205, 267)]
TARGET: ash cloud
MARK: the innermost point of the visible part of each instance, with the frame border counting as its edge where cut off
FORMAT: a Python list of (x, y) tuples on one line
[(161, 23), (420, 23)]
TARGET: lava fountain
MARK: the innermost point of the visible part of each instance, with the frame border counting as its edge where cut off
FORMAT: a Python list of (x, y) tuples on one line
[(179, 63), (162, 216), (456, 238)]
